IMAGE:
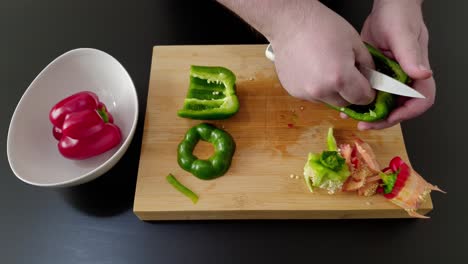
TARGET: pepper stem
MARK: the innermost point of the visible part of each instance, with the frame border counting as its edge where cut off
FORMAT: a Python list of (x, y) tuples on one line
[(103, 113)]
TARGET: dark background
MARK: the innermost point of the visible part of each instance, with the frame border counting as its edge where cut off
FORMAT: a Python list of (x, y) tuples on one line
[(94, 223)]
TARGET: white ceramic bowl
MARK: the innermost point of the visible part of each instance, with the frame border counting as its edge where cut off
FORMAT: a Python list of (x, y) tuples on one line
[(32, 149)]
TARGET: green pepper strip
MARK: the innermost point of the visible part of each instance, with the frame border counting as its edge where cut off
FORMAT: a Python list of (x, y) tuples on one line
[(181, 188), (211, 94), (384, 102), (218, 164), (331, 141)]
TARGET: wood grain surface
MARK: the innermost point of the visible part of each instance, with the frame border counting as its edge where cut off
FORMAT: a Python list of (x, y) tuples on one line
[(269, 151)]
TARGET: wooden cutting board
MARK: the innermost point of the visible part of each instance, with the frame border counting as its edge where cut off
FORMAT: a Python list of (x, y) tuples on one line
[(273, 131)]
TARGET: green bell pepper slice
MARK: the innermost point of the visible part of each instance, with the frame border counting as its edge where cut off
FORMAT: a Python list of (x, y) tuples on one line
[(331, 141), (213, 167), (182, 188), (211, 94), (384, 102)]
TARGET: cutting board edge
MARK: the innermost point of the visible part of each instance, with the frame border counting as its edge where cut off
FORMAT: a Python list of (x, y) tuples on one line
[(275, 214), (207, 45)]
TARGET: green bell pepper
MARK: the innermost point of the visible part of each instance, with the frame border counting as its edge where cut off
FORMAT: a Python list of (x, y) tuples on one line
[(320, 174), (327, 170), (215, 166), (384, 102), (211, 94)]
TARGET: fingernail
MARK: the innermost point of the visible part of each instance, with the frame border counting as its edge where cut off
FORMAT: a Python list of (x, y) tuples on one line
[(424, 68)]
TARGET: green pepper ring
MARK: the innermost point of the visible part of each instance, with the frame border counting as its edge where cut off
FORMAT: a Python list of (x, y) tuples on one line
[(213, 167)]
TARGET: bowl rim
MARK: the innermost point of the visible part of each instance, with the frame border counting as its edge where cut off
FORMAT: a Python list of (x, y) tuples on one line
[(118, 153)]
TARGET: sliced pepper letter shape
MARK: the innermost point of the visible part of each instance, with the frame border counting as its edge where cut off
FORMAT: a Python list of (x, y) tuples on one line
[(211, 94), (213, 167)]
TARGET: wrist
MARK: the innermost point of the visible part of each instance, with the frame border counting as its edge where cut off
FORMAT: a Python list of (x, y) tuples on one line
[(291, 19), (384, 2), (274, 19)]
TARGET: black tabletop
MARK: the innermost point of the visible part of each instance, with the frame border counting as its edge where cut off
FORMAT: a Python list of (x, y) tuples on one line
[(94, 222)]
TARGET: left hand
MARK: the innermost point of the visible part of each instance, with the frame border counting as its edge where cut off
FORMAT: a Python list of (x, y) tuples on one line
[(397, 28)]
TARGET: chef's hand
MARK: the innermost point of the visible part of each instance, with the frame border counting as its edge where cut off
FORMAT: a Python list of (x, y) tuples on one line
[(316, 50), (397, 28)]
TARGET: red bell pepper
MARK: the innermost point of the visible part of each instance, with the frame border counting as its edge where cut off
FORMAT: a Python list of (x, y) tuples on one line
[(395, 180), (83, 126), (74, 103)]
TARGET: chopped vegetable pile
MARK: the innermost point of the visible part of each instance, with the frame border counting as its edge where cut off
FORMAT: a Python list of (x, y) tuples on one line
[(355, 168)]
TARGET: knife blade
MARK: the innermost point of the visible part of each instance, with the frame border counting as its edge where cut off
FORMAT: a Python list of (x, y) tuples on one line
[(383, 82), (378, 80)]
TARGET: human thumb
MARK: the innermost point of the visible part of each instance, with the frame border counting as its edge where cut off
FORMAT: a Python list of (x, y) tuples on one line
[(409, 54)]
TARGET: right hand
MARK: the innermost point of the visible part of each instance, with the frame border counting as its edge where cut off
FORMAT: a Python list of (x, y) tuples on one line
[(316, 57)]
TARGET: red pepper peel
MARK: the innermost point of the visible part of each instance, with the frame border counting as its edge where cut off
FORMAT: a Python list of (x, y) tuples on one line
[(83, 126), (397, 165), (354, 158)]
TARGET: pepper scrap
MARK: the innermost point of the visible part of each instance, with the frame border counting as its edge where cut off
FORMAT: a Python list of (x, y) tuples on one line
[(405, 187), (83, 126), (327, 170), (181, 188), (399, 183), (211, 94), (384, 102), (363, 165), (215, 166)]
